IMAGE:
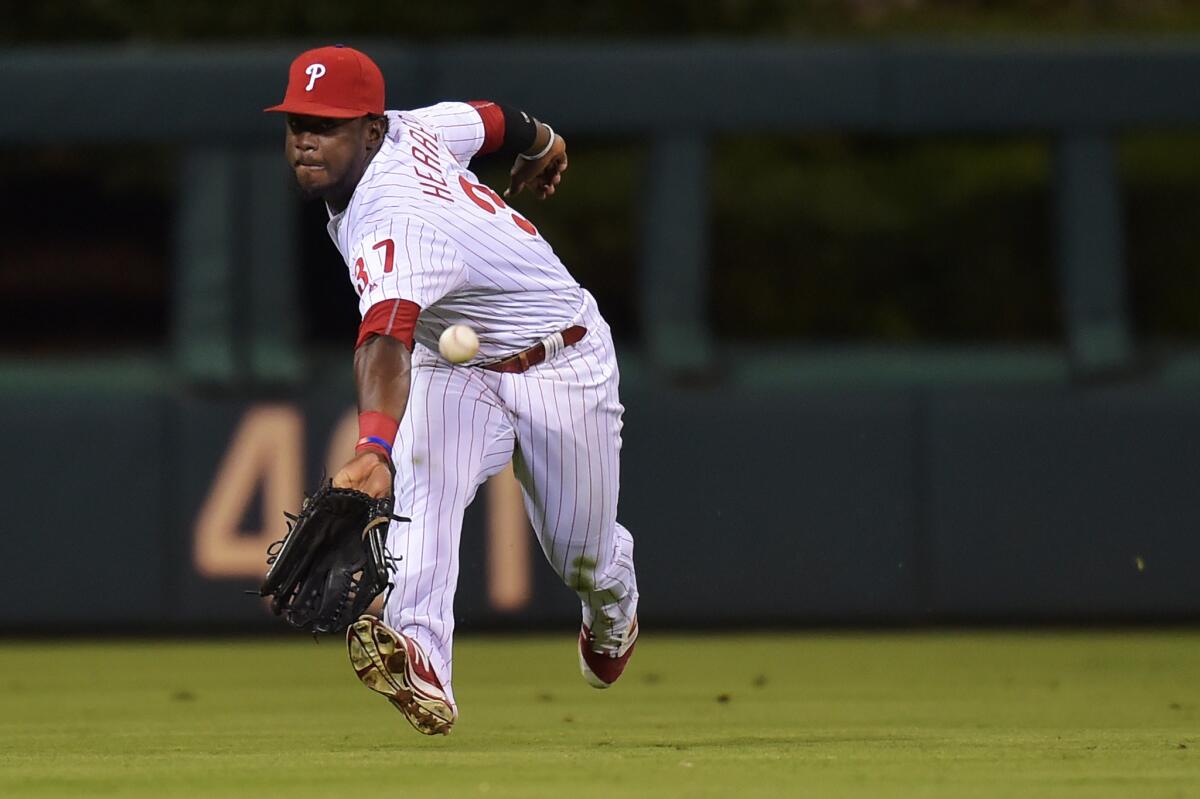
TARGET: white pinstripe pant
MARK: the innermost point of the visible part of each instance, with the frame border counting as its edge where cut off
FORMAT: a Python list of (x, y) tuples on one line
[(560, 425)]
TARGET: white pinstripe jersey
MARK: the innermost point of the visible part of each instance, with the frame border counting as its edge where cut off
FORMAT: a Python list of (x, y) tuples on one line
[(420, 227)]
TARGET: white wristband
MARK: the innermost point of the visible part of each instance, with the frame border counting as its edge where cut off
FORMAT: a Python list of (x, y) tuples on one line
[(545, 149)]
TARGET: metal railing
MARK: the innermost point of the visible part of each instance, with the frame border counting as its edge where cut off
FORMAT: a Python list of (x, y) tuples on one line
[(236, 218)]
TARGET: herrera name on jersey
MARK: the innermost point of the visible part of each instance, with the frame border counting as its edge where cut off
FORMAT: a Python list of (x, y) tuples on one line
[(421, 227)]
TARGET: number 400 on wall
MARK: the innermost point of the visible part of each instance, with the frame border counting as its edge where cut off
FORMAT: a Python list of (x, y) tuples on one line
[(266, 452)]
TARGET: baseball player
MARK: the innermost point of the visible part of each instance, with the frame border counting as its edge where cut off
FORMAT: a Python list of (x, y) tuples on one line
[(429, 246)]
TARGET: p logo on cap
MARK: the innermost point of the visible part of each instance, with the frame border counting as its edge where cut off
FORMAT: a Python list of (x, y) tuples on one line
[(336, 82), (313, 71)]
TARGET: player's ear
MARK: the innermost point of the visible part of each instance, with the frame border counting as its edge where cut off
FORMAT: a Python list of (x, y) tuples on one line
[(376, 128)]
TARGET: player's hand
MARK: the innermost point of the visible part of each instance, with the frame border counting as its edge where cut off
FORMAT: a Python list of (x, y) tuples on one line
[(541, 176), (366, 472)]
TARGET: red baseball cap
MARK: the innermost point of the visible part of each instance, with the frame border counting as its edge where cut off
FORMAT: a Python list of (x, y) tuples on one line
[(335, 82)]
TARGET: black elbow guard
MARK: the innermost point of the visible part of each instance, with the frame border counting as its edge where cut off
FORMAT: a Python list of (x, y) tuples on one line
[(520, 130), (506, 130)]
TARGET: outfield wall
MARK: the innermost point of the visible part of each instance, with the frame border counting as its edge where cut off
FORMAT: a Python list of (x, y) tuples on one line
[(803, 506), (779, 482)]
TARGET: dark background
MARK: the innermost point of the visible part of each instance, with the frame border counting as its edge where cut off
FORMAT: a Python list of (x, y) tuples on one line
[(906, 295)]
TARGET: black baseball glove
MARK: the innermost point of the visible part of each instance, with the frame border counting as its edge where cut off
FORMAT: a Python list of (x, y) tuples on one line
[(332, 563)]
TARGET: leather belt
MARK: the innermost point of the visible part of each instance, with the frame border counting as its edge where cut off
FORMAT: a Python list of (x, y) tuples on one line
[(546, 348)]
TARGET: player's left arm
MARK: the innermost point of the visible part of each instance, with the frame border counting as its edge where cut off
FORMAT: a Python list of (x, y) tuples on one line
[(382, 365), (398, 267)]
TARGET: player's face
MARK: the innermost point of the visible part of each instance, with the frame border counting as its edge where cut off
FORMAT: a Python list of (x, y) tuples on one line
[(328, 155)]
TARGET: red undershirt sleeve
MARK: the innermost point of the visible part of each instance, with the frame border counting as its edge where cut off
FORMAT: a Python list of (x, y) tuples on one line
[(493, 125), (395, 318)]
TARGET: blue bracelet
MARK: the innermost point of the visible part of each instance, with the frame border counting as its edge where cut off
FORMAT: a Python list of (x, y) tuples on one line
[(375, 440)]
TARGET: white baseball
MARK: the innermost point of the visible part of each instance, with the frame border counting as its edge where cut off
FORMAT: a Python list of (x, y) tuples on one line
[(458, 344)]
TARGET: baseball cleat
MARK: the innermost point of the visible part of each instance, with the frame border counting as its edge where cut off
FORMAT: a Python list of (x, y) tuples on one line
[(601, 669), (392, 664)]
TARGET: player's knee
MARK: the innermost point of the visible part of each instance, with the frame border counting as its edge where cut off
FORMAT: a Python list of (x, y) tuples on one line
[(592, 585), (580, 577)]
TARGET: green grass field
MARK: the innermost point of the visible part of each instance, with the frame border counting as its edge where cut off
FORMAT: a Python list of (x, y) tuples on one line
[(824, 715)]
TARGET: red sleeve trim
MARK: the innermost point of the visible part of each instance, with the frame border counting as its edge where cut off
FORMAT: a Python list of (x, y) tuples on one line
[(395, 318), (493, 125)]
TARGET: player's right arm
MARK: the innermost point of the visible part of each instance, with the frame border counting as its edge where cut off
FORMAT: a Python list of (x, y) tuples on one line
[(483, 127)]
